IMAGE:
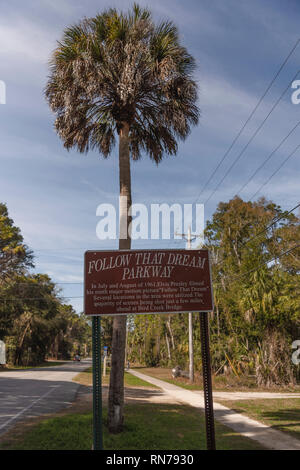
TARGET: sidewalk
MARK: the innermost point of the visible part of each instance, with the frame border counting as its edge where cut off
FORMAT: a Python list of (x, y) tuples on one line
[(266, 436), (252, 395)]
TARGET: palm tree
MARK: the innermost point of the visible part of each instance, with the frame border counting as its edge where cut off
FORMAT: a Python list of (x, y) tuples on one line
[(120, 74)]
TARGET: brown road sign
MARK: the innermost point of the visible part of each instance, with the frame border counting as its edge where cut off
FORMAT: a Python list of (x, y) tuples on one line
[(147, 281)]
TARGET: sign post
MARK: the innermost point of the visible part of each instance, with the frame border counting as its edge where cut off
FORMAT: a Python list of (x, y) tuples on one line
[(207, 383), (119, 282), (97, 385)]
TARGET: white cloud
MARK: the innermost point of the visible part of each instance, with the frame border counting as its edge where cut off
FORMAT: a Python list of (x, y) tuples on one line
[(24, 40)]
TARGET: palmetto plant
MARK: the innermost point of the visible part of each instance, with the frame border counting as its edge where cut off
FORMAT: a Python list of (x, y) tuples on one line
[(120, 75)]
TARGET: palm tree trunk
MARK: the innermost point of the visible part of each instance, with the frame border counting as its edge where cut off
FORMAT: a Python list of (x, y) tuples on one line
[(116, 386)]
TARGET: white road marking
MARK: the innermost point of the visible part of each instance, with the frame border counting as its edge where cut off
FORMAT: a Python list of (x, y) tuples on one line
[(29, 406)]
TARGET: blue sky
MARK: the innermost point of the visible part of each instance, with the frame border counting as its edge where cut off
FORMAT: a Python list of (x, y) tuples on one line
[(52, 194)]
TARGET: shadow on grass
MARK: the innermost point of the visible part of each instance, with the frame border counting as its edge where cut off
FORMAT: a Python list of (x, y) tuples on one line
[(271, 412), (284, 420), (147, 427)]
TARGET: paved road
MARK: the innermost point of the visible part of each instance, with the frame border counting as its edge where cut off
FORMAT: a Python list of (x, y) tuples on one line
[(34, 392)]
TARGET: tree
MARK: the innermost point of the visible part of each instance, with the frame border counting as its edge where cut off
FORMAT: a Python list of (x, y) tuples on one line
[(31, 304), (253, 297), (71, 334), (15, 256), (33, 321), (119, 73)]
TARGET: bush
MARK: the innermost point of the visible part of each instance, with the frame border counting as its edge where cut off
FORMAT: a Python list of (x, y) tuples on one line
[(273, 361)]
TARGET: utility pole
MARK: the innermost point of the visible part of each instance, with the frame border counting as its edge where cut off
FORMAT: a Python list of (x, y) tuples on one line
[(188, 237)]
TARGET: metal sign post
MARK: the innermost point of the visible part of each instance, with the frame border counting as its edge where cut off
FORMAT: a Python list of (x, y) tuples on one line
[(97, 385), (207, 383)]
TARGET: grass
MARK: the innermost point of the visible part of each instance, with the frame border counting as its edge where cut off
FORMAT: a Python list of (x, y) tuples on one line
[(86, 378), (220, 383), (44, 364), (147, 427), (282, 414)]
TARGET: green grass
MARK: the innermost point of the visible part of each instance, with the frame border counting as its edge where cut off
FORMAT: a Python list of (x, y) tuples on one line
[(220, 383), (86, 378), (148, 427), (166, 376), (44, 364), (132, 381), (282, 414)]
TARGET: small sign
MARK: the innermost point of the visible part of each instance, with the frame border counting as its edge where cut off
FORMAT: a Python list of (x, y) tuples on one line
[(105, 348), (147, 281), (2, 353)]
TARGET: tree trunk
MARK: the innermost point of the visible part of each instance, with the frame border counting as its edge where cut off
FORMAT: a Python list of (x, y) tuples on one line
[(116, 386), (171, 332), (218, 320), (168, 346), (158, 332)]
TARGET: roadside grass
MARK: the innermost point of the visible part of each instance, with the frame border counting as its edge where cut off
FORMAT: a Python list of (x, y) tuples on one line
[(222, 383), (282, 414), (10, 367), (147, 427), (86, 378)]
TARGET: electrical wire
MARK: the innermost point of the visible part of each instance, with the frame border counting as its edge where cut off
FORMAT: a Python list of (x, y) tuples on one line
[(248, 119), (235, 278), (250, 140), (275, 172), (269, 157)]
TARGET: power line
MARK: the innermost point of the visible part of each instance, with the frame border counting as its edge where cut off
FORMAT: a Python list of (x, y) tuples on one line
[(230, 278), (276, 171), (251, 139), (16, 299), (44, 285), (235, 278), (273, 222), (255, 133), (283, 216), (29, 286), (269, 157), (248, 119)]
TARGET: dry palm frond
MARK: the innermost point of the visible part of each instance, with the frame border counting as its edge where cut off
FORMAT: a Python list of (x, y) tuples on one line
[(118, 68)]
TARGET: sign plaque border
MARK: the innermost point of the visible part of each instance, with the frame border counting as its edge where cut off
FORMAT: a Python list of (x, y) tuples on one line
[(169, 312)]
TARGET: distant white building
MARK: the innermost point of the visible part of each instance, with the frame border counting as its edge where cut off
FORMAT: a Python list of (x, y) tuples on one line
[(2, 353)]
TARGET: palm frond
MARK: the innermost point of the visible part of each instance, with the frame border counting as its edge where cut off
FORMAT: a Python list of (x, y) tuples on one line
[(117, 68)]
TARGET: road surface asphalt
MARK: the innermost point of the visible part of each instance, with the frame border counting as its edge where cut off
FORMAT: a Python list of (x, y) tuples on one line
[(33, 392)]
